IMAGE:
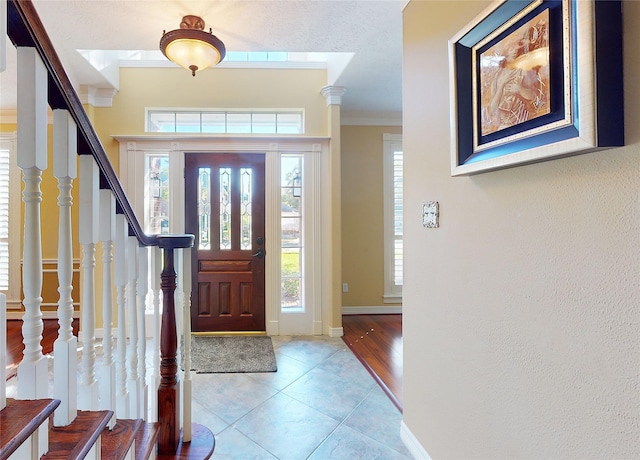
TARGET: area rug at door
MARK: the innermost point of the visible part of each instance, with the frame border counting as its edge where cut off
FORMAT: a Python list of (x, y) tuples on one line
[(211, 355)]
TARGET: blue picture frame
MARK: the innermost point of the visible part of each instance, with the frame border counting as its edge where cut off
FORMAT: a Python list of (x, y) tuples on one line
[(584, 103)]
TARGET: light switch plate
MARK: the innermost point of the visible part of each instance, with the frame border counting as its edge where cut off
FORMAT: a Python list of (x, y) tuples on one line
[(430, 214)]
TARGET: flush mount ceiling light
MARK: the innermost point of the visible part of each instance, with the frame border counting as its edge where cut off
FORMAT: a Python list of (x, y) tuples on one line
[(191, 47)]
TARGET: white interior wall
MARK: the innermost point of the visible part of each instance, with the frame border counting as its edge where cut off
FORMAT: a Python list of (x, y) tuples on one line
[(521, 310)]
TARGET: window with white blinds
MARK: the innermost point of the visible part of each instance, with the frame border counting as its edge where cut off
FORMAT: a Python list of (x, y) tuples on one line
[(393, 217), (4, 219), (397, 217)]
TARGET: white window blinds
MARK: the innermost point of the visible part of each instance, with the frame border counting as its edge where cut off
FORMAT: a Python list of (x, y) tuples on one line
[(4, 219)]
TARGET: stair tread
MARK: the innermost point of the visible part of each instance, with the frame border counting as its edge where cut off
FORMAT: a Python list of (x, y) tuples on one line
[(146, 440), (19, 419), (75, 440), (201, 446), (117, 442)]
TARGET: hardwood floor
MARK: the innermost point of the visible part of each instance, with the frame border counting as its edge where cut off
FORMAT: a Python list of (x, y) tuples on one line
[(376, 340), (15, 347)]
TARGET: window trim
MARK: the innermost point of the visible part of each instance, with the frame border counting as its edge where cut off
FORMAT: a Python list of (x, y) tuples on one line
[(391, 143), (313, 321), (226, 112), (8, 141)]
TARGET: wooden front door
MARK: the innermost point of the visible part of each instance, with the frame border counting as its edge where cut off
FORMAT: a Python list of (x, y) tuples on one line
[(224, 209)]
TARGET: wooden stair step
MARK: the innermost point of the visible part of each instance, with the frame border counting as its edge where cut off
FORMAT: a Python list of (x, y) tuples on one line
[(201, 446), (117, 442), (76, 440), (19, 419), (147, 440)]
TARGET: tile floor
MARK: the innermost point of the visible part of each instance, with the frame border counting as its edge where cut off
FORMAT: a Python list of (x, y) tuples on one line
[(320, 404)]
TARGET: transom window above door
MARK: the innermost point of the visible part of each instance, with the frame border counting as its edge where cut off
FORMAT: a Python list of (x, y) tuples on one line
[(218, 121)]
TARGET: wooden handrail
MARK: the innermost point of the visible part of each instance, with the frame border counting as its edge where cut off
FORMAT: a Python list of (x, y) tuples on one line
[(26, 29)]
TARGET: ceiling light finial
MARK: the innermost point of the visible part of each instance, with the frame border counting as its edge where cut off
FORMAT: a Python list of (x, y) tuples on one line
[(191, 47)]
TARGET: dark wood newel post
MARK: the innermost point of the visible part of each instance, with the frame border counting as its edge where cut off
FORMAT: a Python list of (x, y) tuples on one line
[(169, 389)]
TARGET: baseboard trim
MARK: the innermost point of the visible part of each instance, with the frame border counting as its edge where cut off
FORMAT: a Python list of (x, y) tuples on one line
[(412, 444), (336, 332), (372, 310)]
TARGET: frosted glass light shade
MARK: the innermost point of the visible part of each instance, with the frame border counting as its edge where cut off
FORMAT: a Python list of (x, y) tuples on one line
[(190, 53)]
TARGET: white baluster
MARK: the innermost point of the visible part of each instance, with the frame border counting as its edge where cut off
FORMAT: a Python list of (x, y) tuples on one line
[(107, 384), (187, 391), (88, 237), (156, 267), (65, 348), (3, 351), (133, 380), (32, 159), (142, 289), (120, 280)]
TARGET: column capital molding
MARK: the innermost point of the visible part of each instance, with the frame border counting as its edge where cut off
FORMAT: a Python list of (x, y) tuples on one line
[(333, 94)]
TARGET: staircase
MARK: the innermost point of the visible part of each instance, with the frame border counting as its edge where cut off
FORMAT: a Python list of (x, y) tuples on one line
[(102, 406)]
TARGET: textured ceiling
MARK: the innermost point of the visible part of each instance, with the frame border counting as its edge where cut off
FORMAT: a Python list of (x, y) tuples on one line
[(372, 30)]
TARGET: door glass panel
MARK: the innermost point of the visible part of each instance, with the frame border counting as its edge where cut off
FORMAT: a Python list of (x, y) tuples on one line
[(291, 237), (156, 194), (245, 208), (291, 279), (225, 208), (204, 208)]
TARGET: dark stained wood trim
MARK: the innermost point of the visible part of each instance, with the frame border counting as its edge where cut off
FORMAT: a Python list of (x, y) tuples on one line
[(116, 443), (146, 440), (169, 388), (74, 441), (200, 448), (19, 419), (26, 29)]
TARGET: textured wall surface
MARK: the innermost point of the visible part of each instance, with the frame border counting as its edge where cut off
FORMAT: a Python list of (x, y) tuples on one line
[(363, 214), (522, 311)]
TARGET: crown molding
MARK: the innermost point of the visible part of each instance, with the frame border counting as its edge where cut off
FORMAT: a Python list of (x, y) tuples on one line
[(333, 94), (97, 97)]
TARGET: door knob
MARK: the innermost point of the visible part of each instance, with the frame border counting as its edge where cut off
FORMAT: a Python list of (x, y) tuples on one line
[(260, 253)]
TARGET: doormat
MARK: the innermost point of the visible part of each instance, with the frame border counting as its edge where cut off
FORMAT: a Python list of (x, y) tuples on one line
[(210, 355)]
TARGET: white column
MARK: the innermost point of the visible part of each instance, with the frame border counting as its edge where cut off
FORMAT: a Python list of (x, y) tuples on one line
[(187, 387), (32, 159), (156, 267), (65, 348), (133, 380), (88, 237), (317, 197), (142, 289), (120, 280), (107, 231)]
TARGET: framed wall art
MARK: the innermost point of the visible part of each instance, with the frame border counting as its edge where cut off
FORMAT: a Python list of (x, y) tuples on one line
[(535, 80)]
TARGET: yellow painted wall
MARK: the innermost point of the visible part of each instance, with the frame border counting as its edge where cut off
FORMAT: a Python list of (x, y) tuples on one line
[(49, 222), (213, 88), (362, 214)]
